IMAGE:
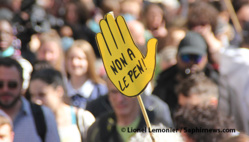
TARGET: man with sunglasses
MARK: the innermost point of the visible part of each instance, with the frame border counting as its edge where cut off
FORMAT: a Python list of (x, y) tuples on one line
[(192, 58), (19, 109)]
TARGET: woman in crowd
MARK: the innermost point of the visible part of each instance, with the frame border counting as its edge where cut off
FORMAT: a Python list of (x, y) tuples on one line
[(154, 16), (51, 50), (47, 88), (83, 83)]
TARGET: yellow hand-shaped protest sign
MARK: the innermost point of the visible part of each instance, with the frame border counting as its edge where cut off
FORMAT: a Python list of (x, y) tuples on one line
[(125, 65)]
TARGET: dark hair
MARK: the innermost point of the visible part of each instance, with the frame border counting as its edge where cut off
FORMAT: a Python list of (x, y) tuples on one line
[(202, 13), (49, 76), (238, 4), (203, 118), (41, 64), (161, 6), (10, 62), (197, 83)]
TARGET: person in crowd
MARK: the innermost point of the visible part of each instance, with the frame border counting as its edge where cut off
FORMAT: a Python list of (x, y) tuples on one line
[(109, 5), (83, 83), (76, 16), (151, 102), (66, 34), (126, 114), (233, 99), (197, 89), (241, 9), (191, 58), (154, 18), (7, 50), (29, 121), (132, 8), (224, 29), (203, 18), (47, 88), (167, 58), (6, 128), (51, 50), (38, 65), (202, 124)]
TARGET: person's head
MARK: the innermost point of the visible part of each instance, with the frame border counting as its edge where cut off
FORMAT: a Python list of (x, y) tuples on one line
[(241, 8), (6, 128), (122, 105), (197, 89), (51, 50), (71, 15), (202, 14), (155, 16), (110, 5), (6, 34), (192, 53), (167, 57), (205, 118), (130, 7), (47, 88), (77, 12), (66, 31), (80, 60), (11, 80), (67, 39)]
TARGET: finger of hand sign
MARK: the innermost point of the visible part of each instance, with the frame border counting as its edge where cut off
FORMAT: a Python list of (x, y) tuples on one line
[(108, 37), (124, 30), (115, 31), (104, 50)]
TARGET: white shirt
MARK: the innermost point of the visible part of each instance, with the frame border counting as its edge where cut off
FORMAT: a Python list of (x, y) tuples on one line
[(85, 90)]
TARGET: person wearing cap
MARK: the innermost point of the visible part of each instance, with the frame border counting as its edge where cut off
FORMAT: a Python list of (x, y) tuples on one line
[(191, 58)]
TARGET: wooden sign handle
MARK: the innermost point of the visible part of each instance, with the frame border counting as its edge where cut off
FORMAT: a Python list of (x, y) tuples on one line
[(145, 116), (233, 16)]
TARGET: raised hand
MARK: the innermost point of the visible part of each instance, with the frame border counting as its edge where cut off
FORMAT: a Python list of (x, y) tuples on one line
[(125, 65)]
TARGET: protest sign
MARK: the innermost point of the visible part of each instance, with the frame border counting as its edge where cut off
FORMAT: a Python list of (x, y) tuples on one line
[(125, 65)]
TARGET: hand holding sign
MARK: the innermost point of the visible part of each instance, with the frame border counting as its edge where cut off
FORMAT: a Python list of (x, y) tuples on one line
[(125, 65)]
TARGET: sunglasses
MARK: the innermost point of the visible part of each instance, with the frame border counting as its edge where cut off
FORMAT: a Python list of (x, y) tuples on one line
[(10, 84), (191, 57)]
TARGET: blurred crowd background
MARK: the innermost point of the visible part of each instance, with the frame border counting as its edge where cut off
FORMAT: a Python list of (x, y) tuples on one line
[(60, 34)]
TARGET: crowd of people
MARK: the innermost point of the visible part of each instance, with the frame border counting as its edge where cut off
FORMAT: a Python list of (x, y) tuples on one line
[(54, 88)]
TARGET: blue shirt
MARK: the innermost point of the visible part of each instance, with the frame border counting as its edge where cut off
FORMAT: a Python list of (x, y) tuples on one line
[(25, 129)]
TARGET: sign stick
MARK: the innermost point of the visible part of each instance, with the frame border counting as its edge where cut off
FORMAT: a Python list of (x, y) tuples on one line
[(145, 116), (233, 15)]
